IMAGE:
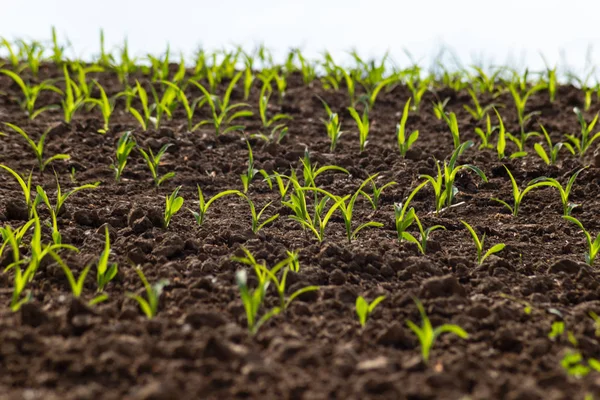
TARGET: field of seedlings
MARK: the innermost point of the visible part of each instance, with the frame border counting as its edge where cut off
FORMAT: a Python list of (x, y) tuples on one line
[(228, 226)]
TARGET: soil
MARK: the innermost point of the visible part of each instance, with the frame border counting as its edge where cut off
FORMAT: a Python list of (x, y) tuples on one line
[(198, 346)]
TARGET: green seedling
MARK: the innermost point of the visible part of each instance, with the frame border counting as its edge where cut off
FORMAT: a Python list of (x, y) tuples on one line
[(427, 334), (38, 148), (149, 305), (253, 300), (153, 161), (105, 271), (501, 142), (557, 330), (417, 91), (520, 100), (189, 107), (125, 145), (592, 244), (486, 136), (24, 183), (551, 155), (73, 97), (376, 195), (62, 198), (453, 126), (204, 205), (350, 86), (42, 196), (221, 110), (311, 171), (256, 224), (263, 104), (443, 184), (439, 108), (105, 105), (333, 126), (486, 83), (76, 284), (283, 187), (424, 233), (364, 309), (403, 216), (13, 239), (564, 192), (477, 112), (251, 171), (363, 126), (405, 143), (278, 132), (173, 204), (144, 116), (518, 195), (32, 92), (481, 256), (582, 143), (248, 81)]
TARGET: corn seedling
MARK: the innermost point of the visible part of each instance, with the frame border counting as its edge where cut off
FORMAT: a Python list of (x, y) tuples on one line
[(424, 233), (204, 205), (105, 105), (592, 244), (417, 92), (73, 97), (405, 143), (486, 83), (153, 161), (173, 204), (251, 171), (105, 271), (221, 110), (25, 184), (256, 224), (427, 334), (453, 126), (477, 112), (376, 195), (518, 194), (76, 284), (149, 305), (31, 93), (585, 140), (557, 330), (486, 136), (551, 155), (443, 184), (311, 171), (564, 192), (283, 187), (350, 87), (347, 210), (125, 145), (403, 216), (501, 142), (13, 239), (333, 126), (479, 243), (38, 148), (43, 196), (439, 108), (263, 104), (144, 116), (362, 124), (252, 301), (364, 308), (12, 56), (520, 100)]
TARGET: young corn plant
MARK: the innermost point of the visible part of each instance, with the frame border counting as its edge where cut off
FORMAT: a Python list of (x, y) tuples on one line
[(149, 305), (439, 108), (144, 116), (73, 97), (253, 300), (564, 192), (443, 184), (424, 233), (105, 271), (333, 126), (76, 284), (364, 308), (105, 105), (417, 92), (518, 194), (25, 184), (501, 142), (38, 148), (256, 224), (403, 216), (427, 334), (363, 126), (153, 161), (376, 195), (200, 215), (222, 113), (582, 143), (550, 157), (453, 126), (13, 239), (520, 100), (31, 93), (477, 112), (486, 136), (43, 196), (481, 256), (125, 145), (347, 210), (251, 171), (283, 187), (404, 142), (263, 104), (592, 244), (173, 204)]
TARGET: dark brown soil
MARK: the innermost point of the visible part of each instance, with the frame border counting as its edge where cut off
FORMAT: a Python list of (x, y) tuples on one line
[(198, 346)]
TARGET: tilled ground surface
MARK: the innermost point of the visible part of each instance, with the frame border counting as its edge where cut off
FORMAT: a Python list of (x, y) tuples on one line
[(198, 346)]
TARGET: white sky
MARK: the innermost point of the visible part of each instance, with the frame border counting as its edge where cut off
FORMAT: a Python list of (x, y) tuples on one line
[(515, 31)]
